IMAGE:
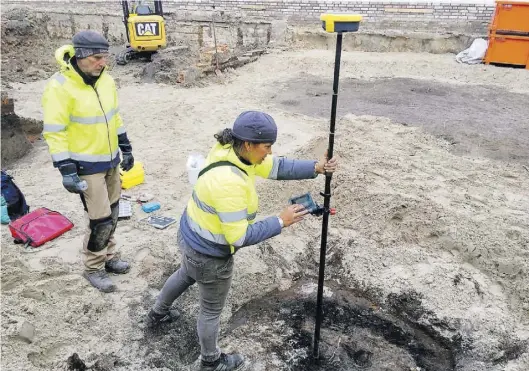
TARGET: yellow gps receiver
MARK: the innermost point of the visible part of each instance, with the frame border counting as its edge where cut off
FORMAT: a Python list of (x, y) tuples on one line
[(341, 22)]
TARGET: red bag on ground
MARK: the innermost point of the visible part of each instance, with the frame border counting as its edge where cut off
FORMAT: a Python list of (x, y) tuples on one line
[(39, 227)]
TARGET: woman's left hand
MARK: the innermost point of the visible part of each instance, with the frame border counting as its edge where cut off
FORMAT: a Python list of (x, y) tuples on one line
[(326, 166)]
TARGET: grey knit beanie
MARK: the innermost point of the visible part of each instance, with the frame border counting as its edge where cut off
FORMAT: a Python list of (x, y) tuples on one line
[(89, 42)]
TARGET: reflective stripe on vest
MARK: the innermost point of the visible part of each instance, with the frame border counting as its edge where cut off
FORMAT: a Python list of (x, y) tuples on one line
[(214, 237), (56, 157), (275, 169), (93, 158), (53, 128), (238, 172), (59, 78), (225, 217), (89, 120)]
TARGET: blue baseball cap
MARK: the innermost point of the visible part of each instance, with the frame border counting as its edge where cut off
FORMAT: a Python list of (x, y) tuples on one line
[(255, 127)]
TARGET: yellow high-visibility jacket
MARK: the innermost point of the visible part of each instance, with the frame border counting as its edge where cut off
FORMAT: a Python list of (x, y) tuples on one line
[(82, 121), (220, 215)]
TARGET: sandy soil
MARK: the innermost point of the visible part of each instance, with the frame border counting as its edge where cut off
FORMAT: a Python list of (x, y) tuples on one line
[(437, 238), (478, 119)]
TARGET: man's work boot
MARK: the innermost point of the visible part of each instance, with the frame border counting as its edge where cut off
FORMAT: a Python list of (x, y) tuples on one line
[(226, 362), (100, 280), (115, 265), (155, 319)]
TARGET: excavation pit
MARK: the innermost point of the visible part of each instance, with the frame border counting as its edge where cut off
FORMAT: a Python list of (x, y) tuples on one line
[(276, 332), (356, 333)]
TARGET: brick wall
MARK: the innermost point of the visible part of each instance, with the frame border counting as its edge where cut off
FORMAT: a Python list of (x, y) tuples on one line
[(427, 16), (371, 10), (424, 16), (421, 16)]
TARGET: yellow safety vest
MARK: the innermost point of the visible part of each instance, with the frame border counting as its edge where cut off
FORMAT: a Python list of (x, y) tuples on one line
[(81, 122), (224, 199)]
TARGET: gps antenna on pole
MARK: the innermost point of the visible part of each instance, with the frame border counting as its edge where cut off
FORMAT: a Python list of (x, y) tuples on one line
[(338, 23)]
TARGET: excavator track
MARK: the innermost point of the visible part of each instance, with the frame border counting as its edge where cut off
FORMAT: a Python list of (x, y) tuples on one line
[(125, 56)]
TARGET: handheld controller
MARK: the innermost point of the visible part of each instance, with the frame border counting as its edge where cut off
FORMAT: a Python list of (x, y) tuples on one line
[(309, 204)]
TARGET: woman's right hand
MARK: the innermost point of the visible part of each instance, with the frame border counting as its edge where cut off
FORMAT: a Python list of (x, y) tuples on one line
[(293, 214)]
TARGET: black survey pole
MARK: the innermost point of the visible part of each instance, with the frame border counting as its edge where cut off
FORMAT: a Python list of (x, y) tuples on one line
[(327, 199)]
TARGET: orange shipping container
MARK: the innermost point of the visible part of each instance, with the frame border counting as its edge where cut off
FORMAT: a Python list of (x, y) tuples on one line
[(511, 16), (508, 49)]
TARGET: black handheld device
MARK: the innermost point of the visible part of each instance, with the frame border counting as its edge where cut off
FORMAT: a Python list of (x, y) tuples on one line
[(308, 203)]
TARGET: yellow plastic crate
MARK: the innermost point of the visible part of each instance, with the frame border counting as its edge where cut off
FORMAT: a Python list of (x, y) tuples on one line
[(133, 177)]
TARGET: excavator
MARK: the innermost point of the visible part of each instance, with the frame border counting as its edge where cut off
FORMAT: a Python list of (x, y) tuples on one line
[(145, 30)]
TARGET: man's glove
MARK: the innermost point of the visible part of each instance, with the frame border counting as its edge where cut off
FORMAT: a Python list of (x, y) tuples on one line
[(70, 179), (128, 161)]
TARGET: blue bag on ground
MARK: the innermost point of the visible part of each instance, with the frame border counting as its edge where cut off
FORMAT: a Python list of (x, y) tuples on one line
[(5, 215), (14, 198)]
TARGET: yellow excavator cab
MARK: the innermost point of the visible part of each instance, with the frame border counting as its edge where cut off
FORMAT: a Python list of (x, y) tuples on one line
[(145, 31)]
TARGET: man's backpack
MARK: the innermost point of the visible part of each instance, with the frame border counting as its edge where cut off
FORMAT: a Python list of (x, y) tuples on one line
[(15, 200)]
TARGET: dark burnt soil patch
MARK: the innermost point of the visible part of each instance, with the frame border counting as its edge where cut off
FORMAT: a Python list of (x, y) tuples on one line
[(475, 119), (356, 332)]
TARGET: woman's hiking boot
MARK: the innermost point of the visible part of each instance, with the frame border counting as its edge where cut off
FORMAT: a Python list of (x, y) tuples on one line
[(226, 362)]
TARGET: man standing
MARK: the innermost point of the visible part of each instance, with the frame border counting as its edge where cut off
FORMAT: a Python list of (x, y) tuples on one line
[(83, 130)]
